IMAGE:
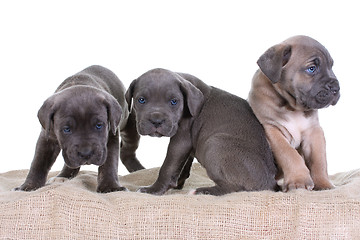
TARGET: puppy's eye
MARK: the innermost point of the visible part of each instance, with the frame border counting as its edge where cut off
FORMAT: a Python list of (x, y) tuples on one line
[(311, 69), (141, 100), (173, 102), (99, 126), (66, 130)]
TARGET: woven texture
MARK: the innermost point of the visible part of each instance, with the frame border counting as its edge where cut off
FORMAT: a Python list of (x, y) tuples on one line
[(73, 210)]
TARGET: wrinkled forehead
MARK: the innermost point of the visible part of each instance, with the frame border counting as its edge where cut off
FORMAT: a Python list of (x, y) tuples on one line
[(80, 105), (157, 83), (309, 49)]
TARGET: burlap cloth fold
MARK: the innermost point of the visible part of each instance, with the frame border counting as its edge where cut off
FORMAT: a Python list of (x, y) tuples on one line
[(73, 210)]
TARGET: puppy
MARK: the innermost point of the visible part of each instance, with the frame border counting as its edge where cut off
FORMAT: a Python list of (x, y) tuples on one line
[(295, 79), (83, 119), (216, 127)]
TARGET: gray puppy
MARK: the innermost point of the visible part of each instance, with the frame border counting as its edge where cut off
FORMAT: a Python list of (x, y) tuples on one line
[(216, 127), (83, 119)]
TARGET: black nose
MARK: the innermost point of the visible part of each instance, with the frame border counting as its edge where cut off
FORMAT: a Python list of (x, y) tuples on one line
[(85, 153), (157, 122), (333, 86)]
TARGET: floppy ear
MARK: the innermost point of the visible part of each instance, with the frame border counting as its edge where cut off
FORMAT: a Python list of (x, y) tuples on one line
[(46, 115), (129, 94), (114, 112), (273, 60), (194, 97)]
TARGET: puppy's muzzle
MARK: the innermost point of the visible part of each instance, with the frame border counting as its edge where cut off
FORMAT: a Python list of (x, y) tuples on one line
[(333, 86), (156, 119), (85, 153), (330, 93), (156, 124)]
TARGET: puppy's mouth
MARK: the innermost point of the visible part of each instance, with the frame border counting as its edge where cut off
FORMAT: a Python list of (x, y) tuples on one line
[(165, 130), (320, 96), (74, 158), (322, 99), (156, 134)]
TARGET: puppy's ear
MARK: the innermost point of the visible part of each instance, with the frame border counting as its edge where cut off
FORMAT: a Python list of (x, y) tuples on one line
[(273, 60), (194, 97), (114, 112), (129, 94), (46, 115)]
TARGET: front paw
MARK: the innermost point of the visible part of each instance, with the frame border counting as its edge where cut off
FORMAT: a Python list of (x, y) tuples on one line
[(107, 188), (152, 190), (57, 179), (323, 184), (298, 182), (27, 187)]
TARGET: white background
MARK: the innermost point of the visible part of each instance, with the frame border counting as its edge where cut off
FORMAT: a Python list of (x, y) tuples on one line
[(44, 42)]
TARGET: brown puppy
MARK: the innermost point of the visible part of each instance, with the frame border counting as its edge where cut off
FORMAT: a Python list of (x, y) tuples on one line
[(83, 119), (216, 127), (294, 81)]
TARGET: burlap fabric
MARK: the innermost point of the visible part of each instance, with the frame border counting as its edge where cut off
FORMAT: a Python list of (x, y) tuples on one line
[(73, 210)]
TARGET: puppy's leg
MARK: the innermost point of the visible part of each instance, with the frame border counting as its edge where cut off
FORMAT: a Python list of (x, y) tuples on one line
[(46, 153), (314, 151), (129, 143), (108, 180), (296, 174), (228, 162), (185, 173), (178, 152)]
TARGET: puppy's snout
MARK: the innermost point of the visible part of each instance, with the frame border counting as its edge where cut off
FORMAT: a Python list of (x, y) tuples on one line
[(85, 153), (157, 122), (157, 119), (333, 86)]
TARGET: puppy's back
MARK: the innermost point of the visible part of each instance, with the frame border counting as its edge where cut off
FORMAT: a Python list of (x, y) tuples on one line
[(229, 122)]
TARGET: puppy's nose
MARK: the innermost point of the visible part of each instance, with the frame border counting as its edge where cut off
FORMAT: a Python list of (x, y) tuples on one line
[(157, 119), (157, 122), (333, 86), (85, 153)]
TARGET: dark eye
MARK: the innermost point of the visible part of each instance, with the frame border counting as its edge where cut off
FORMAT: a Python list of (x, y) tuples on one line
[(173, 102), (311, 69), (99, 126), (141, 100), (66, 130)]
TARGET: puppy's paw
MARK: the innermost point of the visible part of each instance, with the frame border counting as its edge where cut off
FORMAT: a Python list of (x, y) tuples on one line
[(27, 187), (57, 180), (298, 182), (109, 184), (323, 184), (151, 190), (108, 189)]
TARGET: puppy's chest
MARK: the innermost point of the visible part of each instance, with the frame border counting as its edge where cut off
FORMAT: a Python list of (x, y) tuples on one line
[(296, 126)]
